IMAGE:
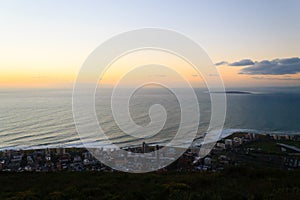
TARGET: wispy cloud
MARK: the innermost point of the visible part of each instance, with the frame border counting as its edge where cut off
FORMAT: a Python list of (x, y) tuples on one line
[(39, 77), (221, 63), (243, 62), (276, 78), (157, 75)]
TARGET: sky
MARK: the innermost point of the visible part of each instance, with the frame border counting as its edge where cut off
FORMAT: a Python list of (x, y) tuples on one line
[(254, 43)]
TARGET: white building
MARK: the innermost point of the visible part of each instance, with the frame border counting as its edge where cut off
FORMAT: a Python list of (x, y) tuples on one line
[(207, 161), (228, 142)]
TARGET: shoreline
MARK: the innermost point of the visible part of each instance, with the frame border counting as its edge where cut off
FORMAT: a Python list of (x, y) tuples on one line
[(225, 133), (238, 148)]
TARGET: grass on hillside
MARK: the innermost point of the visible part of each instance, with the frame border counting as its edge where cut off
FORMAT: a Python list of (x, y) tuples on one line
[(233, 183)]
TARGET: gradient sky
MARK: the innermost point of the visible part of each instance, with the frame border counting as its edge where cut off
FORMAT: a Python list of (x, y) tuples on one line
[(43, 43)]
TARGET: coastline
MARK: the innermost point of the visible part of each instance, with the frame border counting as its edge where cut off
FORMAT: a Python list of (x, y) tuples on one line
[(239, 148), (225, 133)]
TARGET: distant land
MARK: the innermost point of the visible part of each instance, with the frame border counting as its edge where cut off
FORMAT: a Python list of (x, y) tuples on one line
[(233, 92)]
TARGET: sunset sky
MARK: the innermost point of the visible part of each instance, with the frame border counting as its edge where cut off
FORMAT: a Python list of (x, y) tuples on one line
[(254, 43)]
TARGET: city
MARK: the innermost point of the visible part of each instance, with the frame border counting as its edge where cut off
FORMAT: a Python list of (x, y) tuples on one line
[(248, 149)]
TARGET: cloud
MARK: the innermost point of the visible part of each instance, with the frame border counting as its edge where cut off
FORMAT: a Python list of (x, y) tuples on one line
[(157, 75), (276, 78), (38, 77), (274, 67), (221, 63), (212, 75), (244, 62)]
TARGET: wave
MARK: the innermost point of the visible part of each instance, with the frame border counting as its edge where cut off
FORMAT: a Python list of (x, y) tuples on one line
[(77, 143)]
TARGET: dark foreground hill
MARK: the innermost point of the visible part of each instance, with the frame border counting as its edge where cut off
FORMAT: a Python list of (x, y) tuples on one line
[(233, 183)]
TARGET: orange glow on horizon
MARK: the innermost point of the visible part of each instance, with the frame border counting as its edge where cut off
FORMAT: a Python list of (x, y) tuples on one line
[(61, 78)]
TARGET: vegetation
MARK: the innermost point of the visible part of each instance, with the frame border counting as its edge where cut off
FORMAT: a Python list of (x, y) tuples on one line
[(232, 183), (270, 146)]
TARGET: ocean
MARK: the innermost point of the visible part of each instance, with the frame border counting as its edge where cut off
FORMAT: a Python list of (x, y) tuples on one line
[(40, 118)]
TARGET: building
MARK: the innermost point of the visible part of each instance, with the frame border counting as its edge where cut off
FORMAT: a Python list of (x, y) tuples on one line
[(228, 142)]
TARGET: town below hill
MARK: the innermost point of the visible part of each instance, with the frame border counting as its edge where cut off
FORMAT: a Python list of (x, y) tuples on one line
[(238, 149)]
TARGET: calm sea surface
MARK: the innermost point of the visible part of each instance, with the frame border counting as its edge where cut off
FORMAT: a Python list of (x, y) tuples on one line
[(34, 118)]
